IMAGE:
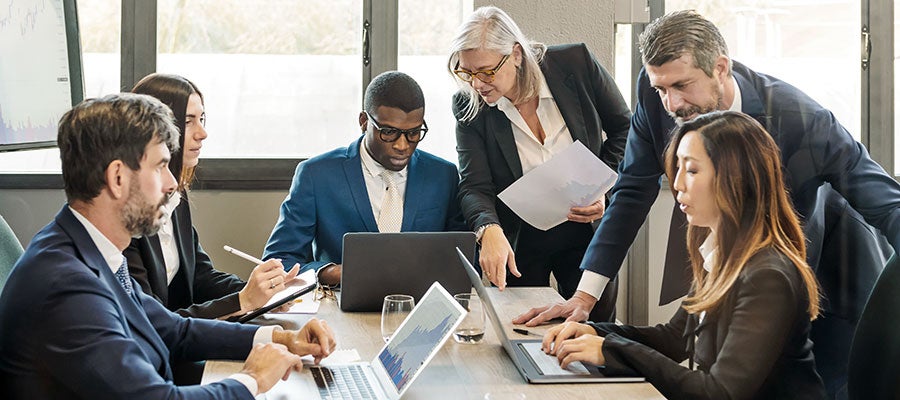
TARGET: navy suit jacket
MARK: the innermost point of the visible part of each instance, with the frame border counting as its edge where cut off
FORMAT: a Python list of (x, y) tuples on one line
[(328, 198), (70, 330), (830, 177), (198, 290)]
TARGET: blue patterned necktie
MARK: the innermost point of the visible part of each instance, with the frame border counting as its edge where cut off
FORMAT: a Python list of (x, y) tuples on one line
[(123, 277)]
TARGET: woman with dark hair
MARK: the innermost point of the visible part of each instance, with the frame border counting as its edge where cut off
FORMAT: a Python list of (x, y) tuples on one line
[(520, 103), (171, 265), (746, 321)]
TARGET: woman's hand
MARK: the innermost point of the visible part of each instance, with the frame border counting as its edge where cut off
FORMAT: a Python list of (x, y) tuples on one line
[(585, 348), (556, 335), (496, 255), (265, 280)]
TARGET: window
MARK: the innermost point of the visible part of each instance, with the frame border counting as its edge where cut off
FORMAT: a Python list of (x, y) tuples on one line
[(811, 44)]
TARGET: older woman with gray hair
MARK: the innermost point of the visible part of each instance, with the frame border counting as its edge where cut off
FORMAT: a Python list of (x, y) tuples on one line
[(520, 103)]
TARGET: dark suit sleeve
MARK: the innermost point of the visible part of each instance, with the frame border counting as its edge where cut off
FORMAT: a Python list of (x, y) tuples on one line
[(631, 197), (292, 238), (846, 164), (215, 292), (477, 194), (612, 109), (455, 221), (667, 339), (765, 311), (86, 347)]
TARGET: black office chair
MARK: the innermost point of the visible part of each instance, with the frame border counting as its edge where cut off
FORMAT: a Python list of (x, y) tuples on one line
[(874, 367), (10, 251)]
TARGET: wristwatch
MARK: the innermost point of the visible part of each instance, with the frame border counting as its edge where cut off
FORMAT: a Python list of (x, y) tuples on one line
[(479, 233)]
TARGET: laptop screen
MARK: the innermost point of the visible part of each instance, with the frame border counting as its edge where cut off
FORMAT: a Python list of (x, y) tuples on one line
[(420, 336)]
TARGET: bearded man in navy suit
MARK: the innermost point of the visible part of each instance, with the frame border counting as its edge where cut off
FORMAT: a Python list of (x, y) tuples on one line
[(75, 325)]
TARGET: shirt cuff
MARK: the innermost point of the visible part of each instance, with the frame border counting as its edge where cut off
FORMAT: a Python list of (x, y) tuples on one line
[(264, 335), (592, 283), (247, 381)]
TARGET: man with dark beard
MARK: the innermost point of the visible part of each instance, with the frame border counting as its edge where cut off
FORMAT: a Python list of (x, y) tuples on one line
[(76, 325), (835, 187)]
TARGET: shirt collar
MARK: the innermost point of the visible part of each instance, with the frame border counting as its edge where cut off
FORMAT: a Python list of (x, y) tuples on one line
[(108, 250), (506, 105), (736, 104), (373, 167), (708, 251)]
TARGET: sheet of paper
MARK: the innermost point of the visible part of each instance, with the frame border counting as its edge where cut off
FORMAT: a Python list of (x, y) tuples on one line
[(306, 304), (573, 178)]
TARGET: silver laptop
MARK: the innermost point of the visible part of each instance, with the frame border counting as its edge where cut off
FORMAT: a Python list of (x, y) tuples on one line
[(535, 365), (398, 363), (378, 264)]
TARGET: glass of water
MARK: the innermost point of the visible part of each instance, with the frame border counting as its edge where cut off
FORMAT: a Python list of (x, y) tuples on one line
[(471, 329), (394, 311)]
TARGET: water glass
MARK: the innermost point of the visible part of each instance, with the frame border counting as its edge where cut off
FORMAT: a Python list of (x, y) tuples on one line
[(394, 311), (471, 329)]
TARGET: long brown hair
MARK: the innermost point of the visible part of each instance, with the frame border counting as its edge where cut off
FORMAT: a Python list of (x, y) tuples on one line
[(756, 212), (173, 91)]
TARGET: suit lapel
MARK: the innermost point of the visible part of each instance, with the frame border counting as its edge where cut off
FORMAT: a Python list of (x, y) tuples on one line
[(415, 179), (357, 185), (132, 315), (562, 87), (183, 242)]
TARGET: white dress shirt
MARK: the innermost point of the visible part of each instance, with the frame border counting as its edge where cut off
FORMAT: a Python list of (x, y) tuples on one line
[(113, 257), (593, 283), (533, 153), (708, 252), (166, 237), (375, 185)]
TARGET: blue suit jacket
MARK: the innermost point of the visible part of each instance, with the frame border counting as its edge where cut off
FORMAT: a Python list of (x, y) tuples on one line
[(71, 331), (328, 198)]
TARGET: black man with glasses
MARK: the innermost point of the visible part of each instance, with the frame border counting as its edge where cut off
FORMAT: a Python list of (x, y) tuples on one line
[(379, 183), (520, 103)]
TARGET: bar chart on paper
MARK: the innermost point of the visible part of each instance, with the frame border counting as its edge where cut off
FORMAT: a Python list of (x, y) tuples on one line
[(413, 343)]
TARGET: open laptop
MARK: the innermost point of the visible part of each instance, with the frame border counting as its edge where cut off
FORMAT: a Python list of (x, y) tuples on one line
[(378, 264), (535, 365), (398, 363)]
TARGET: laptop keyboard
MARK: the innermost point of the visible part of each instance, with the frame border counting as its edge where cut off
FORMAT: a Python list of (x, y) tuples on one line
[(342, 382)]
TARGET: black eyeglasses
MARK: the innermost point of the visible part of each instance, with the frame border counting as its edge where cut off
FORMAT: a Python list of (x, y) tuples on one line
[(486, 76), (414, 135)]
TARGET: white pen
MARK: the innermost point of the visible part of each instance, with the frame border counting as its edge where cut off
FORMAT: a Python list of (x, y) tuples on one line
[(243, 255)]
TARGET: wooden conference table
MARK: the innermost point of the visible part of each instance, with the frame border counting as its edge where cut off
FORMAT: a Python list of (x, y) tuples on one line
[(458, 371)]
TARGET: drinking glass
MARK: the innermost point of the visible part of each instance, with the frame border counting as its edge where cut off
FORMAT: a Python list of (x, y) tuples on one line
[(471, 329), (394, 311)]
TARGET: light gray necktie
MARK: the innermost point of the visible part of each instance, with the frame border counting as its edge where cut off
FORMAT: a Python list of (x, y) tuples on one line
[(391, 217), (123, 277)]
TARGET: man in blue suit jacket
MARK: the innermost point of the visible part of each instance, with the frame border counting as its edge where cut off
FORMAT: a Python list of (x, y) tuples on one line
[(836, 188), (75, 325), (344, 190)]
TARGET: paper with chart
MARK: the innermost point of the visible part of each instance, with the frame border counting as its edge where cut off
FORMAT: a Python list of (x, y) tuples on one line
[(573, 178)]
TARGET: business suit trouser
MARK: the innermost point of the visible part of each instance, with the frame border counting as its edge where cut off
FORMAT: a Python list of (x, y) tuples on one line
[(559, 251)]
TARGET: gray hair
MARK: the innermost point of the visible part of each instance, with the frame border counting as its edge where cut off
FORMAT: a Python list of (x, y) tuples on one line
[(489, 28), (673, 35)]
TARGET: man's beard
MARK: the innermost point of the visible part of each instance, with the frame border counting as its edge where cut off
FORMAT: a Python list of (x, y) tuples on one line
[(141, 218), (718, 104)]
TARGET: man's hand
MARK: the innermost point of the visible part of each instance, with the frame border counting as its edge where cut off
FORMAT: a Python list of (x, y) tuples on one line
[(556, 335), (265, 280), (576, 309), (587, 214), (330, 275), (496, 255), (269, 362), (315, 338)]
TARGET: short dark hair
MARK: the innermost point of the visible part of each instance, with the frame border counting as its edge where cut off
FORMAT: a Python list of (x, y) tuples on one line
[(174, 91), (115, 127), (683, 32), (393, 89)]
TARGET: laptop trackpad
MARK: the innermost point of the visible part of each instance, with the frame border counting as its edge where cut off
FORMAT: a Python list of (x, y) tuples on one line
[(547, 364)]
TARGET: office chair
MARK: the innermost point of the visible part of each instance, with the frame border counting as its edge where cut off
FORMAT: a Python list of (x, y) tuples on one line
[(10, 251), (875, 352)]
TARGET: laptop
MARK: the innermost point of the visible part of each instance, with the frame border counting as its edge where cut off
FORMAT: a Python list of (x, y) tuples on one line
[(398, 363), (378, 264), (535, 365)]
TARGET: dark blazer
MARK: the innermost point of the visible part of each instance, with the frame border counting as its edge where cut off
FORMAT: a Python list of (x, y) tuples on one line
[(589, 102), (754, 346), (70, 330), (198, 290), (328, 198)]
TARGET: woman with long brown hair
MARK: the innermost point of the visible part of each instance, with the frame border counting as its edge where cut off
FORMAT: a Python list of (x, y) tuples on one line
[(746, 321)]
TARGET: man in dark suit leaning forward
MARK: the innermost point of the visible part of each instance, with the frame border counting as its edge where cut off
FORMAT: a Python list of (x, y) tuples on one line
[(380, 183), (75, 325)]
